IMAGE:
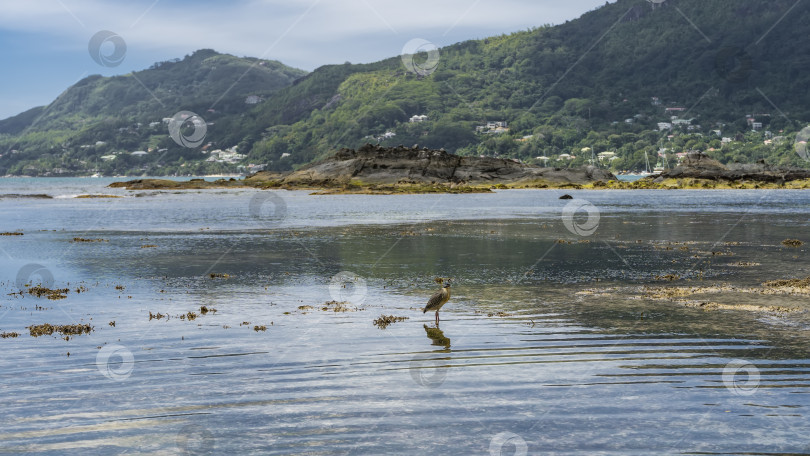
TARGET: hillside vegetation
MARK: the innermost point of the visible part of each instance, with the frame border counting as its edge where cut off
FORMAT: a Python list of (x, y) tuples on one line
[(99, 115)]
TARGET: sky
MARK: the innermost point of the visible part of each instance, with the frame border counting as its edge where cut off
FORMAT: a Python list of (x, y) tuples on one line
[(44, 44)]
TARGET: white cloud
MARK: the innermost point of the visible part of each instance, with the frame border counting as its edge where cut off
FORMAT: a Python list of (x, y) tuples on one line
[(289, 29), (46, 41)]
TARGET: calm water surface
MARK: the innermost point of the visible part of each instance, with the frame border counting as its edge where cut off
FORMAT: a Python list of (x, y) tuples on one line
[(529, 357)]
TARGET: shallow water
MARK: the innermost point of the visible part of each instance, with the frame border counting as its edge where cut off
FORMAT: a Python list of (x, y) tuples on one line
[(529, 358)]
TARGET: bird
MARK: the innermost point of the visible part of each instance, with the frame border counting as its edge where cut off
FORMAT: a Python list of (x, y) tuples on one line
[(438, 300)]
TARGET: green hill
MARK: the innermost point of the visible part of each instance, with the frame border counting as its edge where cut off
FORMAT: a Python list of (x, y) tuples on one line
[(600, 83), (575, 86), (118, 111)]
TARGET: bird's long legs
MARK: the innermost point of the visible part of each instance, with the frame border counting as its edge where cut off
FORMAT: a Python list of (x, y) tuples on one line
[(437, 318)]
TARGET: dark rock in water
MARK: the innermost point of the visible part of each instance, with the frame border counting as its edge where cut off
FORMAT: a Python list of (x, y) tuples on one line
[(21, 196), (566, 197)]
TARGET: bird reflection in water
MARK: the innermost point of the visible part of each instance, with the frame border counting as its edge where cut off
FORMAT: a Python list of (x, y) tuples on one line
[(437, 336)]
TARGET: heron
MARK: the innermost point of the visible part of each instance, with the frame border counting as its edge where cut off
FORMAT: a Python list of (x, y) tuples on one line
[(438, 300)]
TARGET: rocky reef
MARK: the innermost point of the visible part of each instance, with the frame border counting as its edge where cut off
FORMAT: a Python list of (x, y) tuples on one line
[(376, 169), (411, 165), (698, 171), (387, 170), (700, 166)]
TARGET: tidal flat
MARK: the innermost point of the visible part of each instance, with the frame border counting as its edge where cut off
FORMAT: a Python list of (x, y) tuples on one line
[(643, 322)]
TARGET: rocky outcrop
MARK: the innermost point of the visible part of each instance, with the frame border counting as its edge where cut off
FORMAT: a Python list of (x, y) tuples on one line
[(166, 184), (399, 169), (25, 196), (411, 165), (700, 166)]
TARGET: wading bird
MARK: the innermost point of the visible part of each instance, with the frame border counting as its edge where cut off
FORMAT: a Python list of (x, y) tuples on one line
[(438, 300)]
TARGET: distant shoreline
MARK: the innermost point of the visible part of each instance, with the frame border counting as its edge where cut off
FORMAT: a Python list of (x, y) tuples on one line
[(373, 169), (410, 188), (204, 176)]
